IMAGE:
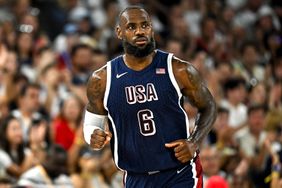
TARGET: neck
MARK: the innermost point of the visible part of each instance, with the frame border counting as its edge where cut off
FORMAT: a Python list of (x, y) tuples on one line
[(26, 113), (233, 102), (137, 63), (14, 147)]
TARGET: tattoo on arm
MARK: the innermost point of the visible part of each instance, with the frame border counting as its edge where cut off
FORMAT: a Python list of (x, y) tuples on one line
[(95, 94), (200, 97)]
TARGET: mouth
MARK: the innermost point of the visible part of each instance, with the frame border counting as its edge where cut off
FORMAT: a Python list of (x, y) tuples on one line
[(141, 41)]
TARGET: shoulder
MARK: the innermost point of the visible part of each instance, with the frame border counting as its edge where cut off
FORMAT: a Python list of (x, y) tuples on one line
[(31, 177), (97, 81), (180, 65), (99, 74), (185, 73), (5, 158), (242, 133)]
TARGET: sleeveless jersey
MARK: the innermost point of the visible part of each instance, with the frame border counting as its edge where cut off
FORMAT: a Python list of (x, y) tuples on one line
[(145, 112)]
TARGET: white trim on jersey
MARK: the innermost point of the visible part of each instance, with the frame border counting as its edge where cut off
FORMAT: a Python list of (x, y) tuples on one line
[(106, 96), (194, 172), (108, 84), (174, 83)]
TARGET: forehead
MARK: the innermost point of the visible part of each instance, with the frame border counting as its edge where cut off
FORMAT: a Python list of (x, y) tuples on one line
[(134, 16)]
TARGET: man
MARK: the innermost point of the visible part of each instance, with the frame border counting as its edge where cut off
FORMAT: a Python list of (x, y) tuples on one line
[(140, 92), (210, 161), (29, 106)]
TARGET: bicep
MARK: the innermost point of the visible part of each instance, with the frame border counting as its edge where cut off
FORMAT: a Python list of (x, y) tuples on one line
[(194, 88)]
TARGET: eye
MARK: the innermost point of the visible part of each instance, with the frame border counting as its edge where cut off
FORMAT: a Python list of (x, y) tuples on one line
[(145, 25), (130, 27)]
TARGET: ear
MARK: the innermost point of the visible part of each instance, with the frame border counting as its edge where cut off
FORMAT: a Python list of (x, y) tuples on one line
[(118, 32)]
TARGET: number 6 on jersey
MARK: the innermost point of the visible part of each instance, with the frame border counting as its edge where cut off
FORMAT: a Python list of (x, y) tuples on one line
[(146, 122)]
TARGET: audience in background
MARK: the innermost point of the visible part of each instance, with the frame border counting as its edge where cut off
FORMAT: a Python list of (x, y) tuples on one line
[(48, 49)]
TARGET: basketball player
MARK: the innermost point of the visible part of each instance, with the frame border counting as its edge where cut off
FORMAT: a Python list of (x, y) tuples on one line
[(140, 92)]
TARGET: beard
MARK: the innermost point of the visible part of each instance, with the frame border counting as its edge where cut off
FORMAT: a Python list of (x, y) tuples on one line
[(139, 51)]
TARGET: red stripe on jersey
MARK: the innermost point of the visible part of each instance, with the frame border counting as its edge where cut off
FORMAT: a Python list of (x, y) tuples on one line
[(199, 171)]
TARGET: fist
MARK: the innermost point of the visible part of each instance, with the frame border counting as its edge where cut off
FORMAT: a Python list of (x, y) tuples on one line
[(183, 149), (99, 138)]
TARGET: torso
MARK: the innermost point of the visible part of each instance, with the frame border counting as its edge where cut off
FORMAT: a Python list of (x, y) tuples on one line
[(145, 112)]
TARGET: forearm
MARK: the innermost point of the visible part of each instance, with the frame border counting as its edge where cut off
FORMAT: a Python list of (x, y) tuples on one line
[(204, 122)]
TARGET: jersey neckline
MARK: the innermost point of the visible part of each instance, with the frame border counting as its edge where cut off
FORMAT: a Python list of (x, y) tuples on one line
[(143, 70)]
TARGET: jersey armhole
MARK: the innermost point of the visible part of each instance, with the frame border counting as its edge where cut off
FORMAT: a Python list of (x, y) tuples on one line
[(171, 75), (108, 84), (175, 84)]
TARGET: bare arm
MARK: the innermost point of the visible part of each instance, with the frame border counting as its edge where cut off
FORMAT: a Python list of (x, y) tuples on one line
[(96, 87), (193, 87), (95, 92)]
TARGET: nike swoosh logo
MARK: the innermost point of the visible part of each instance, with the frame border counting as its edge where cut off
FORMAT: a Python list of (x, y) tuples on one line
[(179, 171), (120, 75)]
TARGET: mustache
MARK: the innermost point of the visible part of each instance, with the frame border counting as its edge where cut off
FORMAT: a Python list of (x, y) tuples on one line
[(140, 37), (139, 52)]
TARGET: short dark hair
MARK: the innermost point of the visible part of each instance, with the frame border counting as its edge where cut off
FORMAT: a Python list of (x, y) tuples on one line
[(25, 87), (233, 83), (76, 47), (256, 107), (248, 43)]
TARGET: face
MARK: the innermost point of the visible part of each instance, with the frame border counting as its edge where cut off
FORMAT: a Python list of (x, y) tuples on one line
[(14, 132), (250, 55), (31, 99), (258, 94), (256, 120), (135, 31), (82, 59), (210, 161), (238, 94), (71, 109), (25, 42), (221, 121), (52, 77)]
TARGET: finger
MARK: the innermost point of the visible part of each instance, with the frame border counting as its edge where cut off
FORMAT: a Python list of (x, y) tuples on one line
[(173, 144), (108, 139), (179, 148), (98, 138), (109, 134), (181, 153), (99, 132), (98, 141)]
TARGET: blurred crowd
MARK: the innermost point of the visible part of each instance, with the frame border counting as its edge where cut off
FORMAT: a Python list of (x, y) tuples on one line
[(48, 49)]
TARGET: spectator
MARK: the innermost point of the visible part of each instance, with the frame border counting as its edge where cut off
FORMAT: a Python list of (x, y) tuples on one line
[(252, 140), (257, 94), (249, 65), (50, 81), (210, 160), (68, 122), (81, 56), (51, 172), (14, 158), (235, 93), (28, 107), (39, 138), (88, 170)]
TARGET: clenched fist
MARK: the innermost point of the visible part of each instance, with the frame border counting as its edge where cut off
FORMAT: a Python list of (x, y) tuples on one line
[(99, 138)]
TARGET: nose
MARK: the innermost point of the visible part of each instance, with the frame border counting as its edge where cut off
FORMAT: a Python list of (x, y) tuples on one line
[(140, 31)]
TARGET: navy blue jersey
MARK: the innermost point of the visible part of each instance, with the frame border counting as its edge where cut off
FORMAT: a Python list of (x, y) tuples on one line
[(145, 112)]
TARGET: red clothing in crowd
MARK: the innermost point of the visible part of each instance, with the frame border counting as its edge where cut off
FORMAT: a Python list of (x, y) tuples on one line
[(63, 134)]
